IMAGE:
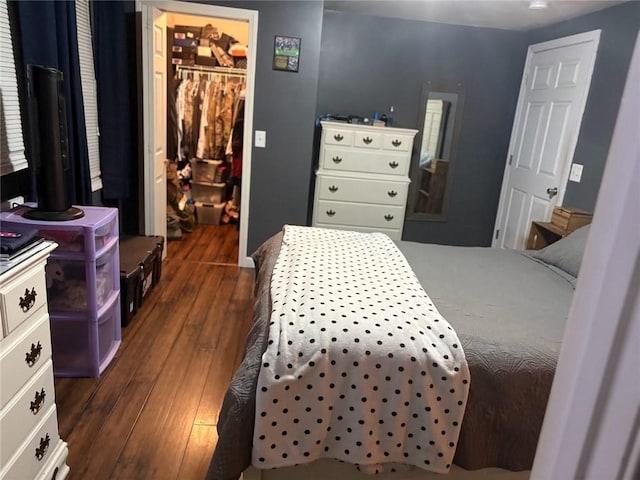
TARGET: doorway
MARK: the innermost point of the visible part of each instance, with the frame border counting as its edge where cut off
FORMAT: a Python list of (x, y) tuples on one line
[(157, 61), (552, 99)]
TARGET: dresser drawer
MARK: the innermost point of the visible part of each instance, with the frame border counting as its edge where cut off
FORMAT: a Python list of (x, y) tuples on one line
[(360, 190), (338, 136), (23, 412), (35, 451), (23, 356), (397, 143), (359, 214), (343, 160), (22, 296), (367, 139)]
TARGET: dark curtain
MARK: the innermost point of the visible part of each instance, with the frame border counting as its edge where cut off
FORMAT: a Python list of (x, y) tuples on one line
[(47, 36), (115, 53)]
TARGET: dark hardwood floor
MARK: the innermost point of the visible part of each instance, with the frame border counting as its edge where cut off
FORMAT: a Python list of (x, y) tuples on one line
[(152, 414)]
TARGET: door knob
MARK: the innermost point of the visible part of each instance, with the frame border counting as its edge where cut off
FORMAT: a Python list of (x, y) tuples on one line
[(552, 192)]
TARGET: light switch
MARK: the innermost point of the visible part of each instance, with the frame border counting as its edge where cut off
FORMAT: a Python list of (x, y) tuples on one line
[(576, 172), (261, 138)]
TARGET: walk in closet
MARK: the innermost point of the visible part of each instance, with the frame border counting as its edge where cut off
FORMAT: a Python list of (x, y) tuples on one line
[(206, 86)]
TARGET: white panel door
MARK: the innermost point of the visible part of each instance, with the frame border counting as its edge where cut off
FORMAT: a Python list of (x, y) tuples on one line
[(159, 107), (552, 99)]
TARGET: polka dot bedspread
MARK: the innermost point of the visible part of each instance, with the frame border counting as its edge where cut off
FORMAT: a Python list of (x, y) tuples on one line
[(360, 366)]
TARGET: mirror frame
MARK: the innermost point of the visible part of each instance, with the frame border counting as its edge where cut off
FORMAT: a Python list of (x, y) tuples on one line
[(428, 87)]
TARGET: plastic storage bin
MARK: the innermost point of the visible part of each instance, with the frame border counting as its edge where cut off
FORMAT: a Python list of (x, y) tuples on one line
[(79, 285), (213, 193), (209, 214), (140, 271), (82, 347), (86, 235), (204, 171)]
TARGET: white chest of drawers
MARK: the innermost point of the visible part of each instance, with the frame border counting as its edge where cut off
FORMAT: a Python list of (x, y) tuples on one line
[(30, 446), (363, 178)]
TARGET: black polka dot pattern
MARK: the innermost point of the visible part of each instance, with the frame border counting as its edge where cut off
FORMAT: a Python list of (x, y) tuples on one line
[(360, 366)]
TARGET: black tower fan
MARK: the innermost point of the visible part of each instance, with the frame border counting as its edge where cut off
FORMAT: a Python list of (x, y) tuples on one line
[(50, 159)]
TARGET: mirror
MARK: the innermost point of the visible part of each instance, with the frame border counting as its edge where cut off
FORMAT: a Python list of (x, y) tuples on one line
[(431, 169)]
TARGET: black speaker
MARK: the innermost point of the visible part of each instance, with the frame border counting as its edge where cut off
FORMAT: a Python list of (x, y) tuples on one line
[(49, 151)]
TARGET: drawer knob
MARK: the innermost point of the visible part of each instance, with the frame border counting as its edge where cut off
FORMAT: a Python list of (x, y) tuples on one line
[(394, 164), (32, 357), (333, 189), (41, 451), (38, 401), (29, 299), (392, 193), (388, 217), (338, 138), (367, 140), (396, 143), (336, 159), (331, 213)]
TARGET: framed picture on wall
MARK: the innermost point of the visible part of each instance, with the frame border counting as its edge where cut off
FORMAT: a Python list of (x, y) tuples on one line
[(286, 53)]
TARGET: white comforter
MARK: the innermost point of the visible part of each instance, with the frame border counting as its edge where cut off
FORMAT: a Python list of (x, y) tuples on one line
[(360, 365)]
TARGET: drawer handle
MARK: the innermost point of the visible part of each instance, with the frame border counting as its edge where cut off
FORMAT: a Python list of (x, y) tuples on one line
[(396, 143), (338, 137), (367, 140), (41, 451), (331, 213), (38, 401), (336, 159), (32, 357), (392, 193), (394, 164), (29, 299), (388, 217), (333, 189)]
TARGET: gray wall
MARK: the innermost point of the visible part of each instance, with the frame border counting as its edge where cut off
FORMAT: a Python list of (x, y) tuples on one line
[(285, 105), (619, 27), (369, 63)]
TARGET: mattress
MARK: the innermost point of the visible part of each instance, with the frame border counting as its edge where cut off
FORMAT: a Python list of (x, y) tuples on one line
[(509, 312)]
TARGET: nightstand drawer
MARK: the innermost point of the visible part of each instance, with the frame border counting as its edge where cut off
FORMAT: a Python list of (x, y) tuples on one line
[(22, 297), (18, 418), (23, 356), (349, 189), (360, 214), (35, 451)]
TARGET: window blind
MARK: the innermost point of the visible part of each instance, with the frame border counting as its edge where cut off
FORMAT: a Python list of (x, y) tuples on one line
[(89, 91), (12, 156)]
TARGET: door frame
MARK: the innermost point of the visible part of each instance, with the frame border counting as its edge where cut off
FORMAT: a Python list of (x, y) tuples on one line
[(591, 36), (144, 7)]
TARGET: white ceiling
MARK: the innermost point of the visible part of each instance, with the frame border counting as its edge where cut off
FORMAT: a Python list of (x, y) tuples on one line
[(504, 14)]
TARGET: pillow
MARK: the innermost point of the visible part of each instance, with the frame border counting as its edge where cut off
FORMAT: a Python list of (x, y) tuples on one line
[(566, 253)]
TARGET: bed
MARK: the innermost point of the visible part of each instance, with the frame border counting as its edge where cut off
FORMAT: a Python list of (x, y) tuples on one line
[(509, 310)]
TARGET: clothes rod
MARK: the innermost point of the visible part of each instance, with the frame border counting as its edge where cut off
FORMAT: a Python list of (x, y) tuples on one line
[(202, 69)]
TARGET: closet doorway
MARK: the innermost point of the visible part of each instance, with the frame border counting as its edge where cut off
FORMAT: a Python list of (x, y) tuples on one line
[(222, 189)]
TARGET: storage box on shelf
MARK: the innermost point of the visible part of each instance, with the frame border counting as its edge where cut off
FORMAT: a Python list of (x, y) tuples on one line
[(83, 289), (140, 271)]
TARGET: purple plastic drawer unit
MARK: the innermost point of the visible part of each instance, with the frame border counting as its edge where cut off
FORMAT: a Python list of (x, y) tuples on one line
[(82, 285), (84, 348), (84, 236)]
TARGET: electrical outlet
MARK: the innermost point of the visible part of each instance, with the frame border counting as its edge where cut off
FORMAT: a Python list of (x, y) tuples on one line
[(261, 139), (576, 172), (8, 204)]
